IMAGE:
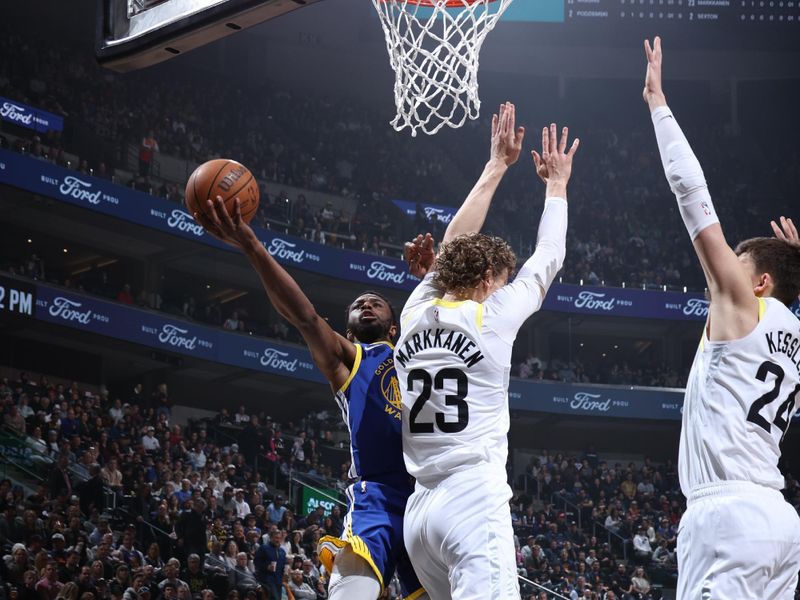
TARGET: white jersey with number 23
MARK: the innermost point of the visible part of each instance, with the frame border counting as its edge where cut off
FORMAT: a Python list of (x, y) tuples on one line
[(453, 361)]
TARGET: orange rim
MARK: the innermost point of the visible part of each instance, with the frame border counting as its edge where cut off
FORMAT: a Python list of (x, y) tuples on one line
[(447, 3)]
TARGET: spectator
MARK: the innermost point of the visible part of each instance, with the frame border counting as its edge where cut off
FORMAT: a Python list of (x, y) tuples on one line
[(147, 151), (91, 492), (14, 420), (171, 570), (301, 589), (16, 564), (149, 440), (641, 546), (640, 584), (60, 484), (49, 586), (191, 530), (241, 577), (662, 555), (194, 576), (233, 322), (125, 296), (112, 476), (241, 506), (276, 509), (269, 562)]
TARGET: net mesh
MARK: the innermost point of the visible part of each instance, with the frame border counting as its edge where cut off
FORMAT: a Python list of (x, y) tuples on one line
[(434, 46)]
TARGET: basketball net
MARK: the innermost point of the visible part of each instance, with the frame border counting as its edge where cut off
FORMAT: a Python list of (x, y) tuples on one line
[(434, 47)]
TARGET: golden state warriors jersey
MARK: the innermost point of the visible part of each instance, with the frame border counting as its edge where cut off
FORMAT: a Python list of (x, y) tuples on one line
[(740, 398), (371, 408)]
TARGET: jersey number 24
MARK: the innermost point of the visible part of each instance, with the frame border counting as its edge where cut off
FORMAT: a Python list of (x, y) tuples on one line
[(786, 407)]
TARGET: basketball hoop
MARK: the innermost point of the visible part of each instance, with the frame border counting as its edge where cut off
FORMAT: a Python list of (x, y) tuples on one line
[(433, 49)]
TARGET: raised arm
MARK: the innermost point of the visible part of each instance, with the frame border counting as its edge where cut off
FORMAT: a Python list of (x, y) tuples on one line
[(505, 150), (733, 312), (512, 304), (333, 354), (554, 167)]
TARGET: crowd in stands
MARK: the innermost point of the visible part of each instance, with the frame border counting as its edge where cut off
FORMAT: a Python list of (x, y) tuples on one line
[(607, 371), (135, 506), (623, 225), (579, 515), (138, 507)]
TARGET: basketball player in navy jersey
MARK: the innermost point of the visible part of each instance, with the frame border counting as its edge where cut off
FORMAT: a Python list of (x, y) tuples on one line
[(738, 539), (360, 369)]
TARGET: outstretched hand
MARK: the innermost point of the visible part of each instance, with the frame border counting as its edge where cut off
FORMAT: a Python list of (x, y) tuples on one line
[(506, 136), (229, 229), (419, 255), (554, 164), (786, 231), (653, 93)]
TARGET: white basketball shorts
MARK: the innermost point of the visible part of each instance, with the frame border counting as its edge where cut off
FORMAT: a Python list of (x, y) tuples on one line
[(459, 537), (738, 541)]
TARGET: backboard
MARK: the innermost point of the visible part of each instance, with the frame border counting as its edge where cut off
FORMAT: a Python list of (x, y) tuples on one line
[(132, 34)]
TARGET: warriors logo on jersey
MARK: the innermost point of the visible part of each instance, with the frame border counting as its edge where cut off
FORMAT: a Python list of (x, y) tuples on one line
[(390, 388), (373, 527)]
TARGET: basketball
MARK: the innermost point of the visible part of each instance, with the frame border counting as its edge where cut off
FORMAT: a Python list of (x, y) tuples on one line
[(227, 179)]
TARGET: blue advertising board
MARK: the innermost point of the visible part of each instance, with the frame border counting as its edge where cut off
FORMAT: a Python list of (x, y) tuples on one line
[(171, 334), (30, 117), (595, 400), (162, 332), (104, 197), (443, 214)]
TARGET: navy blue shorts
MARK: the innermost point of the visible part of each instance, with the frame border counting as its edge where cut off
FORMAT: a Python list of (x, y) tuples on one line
[(373, 528)]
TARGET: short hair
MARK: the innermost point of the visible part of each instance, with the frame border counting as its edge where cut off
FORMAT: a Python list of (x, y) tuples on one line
[(463, 262), (379, 295), (778, 258)]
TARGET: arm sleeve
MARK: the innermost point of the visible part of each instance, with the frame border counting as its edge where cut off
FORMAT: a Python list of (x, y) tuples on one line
[(507, 309), (684, 173)]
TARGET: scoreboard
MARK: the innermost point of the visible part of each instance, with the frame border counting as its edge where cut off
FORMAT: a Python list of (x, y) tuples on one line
[(17, 298), (679, 11)]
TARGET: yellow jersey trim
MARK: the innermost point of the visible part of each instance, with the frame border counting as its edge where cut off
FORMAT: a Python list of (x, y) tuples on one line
[(448, 303), (404, 318), (360, 547), (479, 316), (327, 554), (354, 370), (415, 595), (762, 310)]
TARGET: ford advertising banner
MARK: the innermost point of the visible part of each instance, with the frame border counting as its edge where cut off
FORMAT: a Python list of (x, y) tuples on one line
[(162, 332), (123, 322), (444, 214), (29, 117), (102, 196), (595, 400)]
